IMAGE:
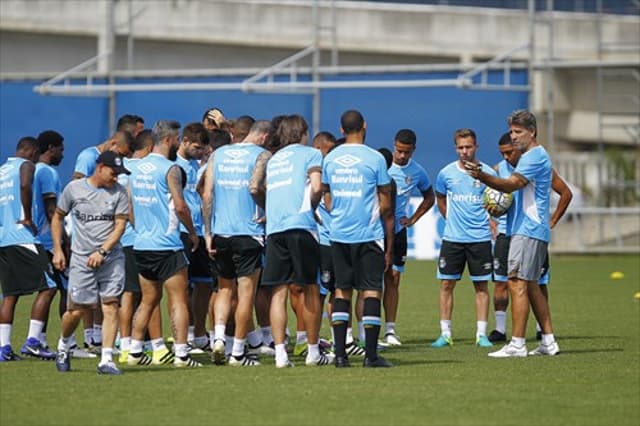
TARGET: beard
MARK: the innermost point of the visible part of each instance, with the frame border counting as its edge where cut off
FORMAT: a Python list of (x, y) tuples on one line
[(173, 153)]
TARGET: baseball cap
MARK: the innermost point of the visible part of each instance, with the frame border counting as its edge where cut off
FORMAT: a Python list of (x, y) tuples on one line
[(216, 115), (112, 159)]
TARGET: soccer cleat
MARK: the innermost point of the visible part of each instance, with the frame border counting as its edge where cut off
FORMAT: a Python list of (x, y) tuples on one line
[(139, 359), (496, 336), (122, 359), (392, 339), (323, 359), (261, 349), (162, 356), (300, 349), (379, 362), (354, 350), (186, 361), (109, 368), (33, 347), (442, 341), (325, 344), (342, 362), (551, 349), (6, 354), (286, 364), (510, 351), (93, 347), (63, 361), (80, 353), (217, 354), (243, 361), (483, 342)]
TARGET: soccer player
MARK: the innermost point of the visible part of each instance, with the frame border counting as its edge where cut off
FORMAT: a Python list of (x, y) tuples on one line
[(235, 180), (131, 296), (293, 193), (193, 145), (466, 238), (100, 206), (46, 189), (359, 193), (504, 169), (409, 176), (530, 234), (158, 207), (22, 258), (120, 142), (213, 119)]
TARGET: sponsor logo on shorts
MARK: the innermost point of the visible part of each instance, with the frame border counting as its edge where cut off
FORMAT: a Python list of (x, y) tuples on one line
[(442, 263), (496, 264), (487, 266), (325, 277)]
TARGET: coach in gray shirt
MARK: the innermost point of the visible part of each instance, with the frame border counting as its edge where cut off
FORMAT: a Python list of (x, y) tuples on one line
[(99, 206)]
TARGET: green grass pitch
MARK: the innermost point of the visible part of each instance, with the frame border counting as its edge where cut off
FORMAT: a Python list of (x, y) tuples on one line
[(594, 381)]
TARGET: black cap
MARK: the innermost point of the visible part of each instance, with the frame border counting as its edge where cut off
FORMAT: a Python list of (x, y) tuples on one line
[(112, 159)]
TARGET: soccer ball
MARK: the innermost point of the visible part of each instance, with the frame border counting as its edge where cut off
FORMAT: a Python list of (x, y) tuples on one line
[(498, 201)]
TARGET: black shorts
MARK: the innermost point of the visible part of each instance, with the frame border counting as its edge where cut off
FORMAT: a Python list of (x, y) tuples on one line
[(201, 267), (237, 256), (453, 257), (500, 258), (327, 274), (58, 278), (160, 265), (293, 256), (22, 269), (132, 281), (359, 266), (400, 250)]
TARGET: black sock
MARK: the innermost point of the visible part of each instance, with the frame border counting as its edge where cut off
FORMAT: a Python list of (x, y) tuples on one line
[(339, 322), (371, 320)]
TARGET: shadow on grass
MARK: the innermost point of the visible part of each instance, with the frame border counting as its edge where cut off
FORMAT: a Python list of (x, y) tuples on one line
[(590, 351), (561, 338), (423, 362)]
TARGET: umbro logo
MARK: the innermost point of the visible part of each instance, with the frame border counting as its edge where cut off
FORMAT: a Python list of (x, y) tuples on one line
[(146, 168), (236, 153), (347, 160)]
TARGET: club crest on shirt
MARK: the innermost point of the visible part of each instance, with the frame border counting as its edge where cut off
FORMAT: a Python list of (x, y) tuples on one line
[(408, 180)]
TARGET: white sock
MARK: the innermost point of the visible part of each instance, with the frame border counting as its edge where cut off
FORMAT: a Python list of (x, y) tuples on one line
[(218, 331), (301, 337), (200, 341), (238, 347), (146, 346), (5, 334), (281, 353), (158, 344), (314, 351), (361, 334), (349, 335), (501, 321), (481, 328), (267, 337), (181, 349), (445, 328), (97, 333), (64, 344), (72, 341), (548, 339), (136, 346), (107, 355), (228, 345), (43, 338), (390, 328), (35, 328), (190, 333), (254, 339), (125, 343), (518, 341), (88, 334)]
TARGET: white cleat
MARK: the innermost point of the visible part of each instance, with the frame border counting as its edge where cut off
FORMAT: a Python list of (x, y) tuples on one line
[(218, 352), (262, 350), (79, 353), (510, 351), (244, 361), (392, 339), (286, 364), (323, 359), (551, 349)]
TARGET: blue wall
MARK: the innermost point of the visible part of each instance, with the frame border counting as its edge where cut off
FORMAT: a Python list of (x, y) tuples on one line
[(433, 113)]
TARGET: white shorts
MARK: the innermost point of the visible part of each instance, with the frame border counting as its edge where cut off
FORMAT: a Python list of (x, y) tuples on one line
[(89, 287)]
